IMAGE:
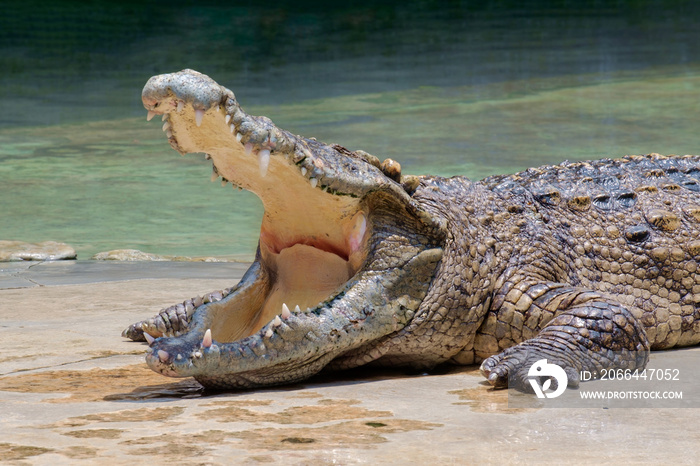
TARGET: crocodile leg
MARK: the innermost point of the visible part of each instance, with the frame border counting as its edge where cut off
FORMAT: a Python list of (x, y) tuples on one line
[(575, 328)]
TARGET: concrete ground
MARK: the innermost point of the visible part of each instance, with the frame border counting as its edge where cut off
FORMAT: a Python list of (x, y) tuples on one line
[(73, 391)]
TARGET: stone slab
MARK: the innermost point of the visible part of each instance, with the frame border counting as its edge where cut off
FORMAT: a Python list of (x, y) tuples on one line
[(72, 391)]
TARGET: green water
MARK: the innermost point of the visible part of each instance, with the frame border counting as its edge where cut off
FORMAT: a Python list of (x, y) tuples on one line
[(444, 90)]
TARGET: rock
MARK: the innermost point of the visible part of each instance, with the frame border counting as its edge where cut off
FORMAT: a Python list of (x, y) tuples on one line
[(136, 255), (44, 251), (128, 255)]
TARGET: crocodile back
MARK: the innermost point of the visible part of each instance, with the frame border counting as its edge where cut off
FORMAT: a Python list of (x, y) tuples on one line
[(628, 227)]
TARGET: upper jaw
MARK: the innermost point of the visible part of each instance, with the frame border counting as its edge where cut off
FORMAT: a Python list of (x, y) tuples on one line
[(310, 191), (203, 116)]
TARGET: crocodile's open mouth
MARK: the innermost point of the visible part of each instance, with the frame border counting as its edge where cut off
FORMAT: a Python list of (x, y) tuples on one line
[(312, 240), (345, 256)]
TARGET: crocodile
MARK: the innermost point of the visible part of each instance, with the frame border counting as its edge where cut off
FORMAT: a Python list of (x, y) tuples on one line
[(589, 265)]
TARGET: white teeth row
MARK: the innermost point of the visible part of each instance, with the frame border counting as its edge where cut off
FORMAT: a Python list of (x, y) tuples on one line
[(276, 322), (167, 129), (263, 154), (215, 176), (208, 342)]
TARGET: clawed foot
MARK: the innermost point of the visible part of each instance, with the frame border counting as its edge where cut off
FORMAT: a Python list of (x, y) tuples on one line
[(516, 366)]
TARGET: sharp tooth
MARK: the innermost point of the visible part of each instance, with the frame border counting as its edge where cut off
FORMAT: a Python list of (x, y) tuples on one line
[(166, 126), (207, 157), (276, 322), (263, 161), (248, 149), (358, 232), (150, 115), (228, 118), (178, 357), (303, 171), (223, 182), (198, 115), (164, 117), (169, 134), (313, 182), (269, 332), (232, 128), (214, 176), (297, 310), (180, 105), (239, 136), (285, 312), (163, 356), (149, 338), (206, 341)]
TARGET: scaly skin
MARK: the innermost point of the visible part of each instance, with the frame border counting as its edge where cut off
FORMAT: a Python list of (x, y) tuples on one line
[(589, 265)]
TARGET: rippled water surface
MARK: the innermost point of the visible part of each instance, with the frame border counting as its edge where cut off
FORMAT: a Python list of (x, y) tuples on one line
[(441, 87)]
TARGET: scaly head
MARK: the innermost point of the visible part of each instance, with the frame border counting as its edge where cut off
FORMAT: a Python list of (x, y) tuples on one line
[(345, 255)]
